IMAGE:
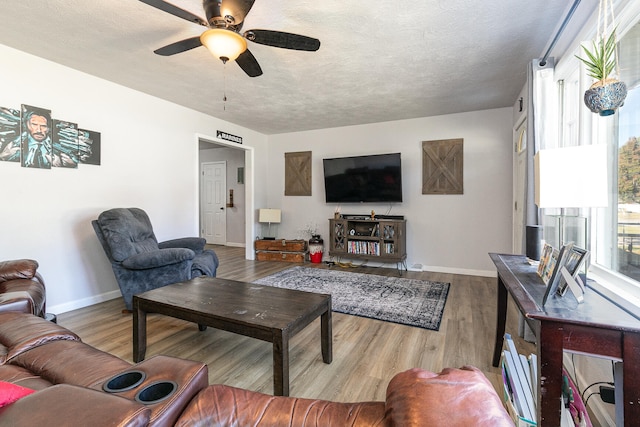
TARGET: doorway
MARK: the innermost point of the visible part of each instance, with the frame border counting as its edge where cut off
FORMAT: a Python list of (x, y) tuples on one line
[(519, 184), (240, 224)]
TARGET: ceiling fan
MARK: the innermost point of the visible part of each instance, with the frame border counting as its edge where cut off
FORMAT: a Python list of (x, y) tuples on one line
[(223, 37)]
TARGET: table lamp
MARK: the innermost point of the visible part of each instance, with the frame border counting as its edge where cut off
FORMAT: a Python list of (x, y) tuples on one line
[(571, 177), (269, 216)]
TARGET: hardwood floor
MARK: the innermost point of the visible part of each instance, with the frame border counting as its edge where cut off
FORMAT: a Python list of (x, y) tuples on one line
[(366, 352)]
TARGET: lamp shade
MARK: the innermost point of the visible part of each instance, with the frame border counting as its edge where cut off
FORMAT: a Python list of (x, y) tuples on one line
[(224, 44), (572, 177), (271, 216)]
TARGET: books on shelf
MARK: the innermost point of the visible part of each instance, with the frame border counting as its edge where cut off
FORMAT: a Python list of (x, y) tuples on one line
[(363, 247), (520, 382), (513, 403), (533, 367)]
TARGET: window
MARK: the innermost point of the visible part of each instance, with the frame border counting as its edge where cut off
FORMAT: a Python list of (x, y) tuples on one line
[(617, 231), (611, 234), (627, 254)]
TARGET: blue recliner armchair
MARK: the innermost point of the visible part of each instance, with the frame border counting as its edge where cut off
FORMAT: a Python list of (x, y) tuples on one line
[(139, 262)]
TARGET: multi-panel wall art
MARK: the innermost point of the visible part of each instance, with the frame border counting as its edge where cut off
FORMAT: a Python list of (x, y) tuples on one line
[(34, 138)]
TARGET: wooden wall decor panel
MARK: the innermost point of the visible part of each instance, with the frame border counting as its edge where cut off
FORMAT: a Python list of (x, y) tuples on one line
[(297, 173), (442, 166)]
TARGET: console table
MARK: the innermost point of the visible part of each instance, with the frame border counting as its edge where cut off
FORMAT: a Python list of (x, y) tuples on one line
[(597, 327)]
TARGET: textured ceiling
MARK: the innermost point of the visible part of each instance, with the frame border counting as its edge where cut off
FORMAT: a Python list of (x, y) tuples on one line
[(376, 63)]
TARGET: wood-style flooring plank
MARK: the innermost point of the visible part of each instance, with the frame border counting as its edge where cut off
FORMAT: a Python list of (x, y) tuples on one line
[(367, 353)]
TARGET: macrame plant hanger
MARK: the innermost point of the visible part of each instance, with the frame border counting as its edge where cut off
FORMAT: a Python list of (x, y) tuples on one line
[(601, 31), (607, 93)]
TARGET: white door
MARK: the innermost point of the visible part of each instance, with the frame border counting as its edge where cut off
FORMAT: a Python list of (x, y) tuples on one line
[(519, 174), (214, 191)]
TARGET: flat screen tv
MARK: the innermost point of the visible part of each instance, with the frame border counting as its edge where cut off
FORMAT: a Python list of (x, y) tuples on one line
[(363, 179)]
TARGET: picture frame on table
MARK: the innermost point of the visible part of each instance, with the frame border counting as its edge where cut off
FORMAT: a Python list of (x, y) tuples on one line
[(575, 260), (554, 281), (547, 262)]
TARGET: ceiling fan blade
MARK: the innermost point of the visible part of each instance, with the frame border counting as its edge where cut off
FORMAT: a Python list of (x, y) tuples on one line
[(176, 11), (283, 40), (249, 64), (178, 47)]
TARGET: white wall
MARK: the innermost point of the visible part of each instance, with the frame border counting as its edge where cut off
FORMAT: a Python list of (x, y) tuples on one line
[(149, 160), (450, 233)]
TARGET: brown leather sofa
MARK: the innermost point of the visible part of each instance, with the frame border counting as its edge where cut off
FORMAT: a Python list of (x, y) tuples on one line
[(76, 384), (22, 287), (73, 384)]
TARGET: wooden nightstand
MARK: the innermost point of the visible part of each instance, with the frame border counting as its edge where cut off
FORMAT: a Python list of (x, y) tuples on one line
[(281, 250)]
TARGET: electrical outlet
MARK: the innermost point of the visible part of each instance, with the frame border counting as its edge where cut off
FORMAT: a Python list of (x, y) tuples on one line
[(607, 394)]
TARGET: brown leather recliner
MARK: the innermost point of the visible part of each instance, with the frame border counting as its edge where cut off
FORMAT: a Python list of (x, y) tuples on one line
[(21, 287), (415, 398)]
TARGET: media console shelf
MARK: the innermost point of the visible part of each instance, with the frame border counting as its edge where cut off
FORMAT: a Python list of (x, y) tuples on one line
[(383, 240)]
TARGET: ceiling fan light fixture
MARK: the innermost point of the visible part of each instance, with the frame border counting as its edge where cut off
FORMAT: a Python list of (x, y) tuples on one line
[(224, 44)]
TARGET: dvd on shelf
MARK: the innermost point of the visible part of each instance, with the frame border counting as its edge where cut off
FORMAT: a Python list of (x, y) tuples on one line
[(363, 248)]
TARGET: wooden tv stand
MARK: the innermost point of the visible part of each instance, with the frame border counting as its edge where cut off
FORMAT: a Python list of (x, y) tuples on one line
[(383, 240), (597, 326)]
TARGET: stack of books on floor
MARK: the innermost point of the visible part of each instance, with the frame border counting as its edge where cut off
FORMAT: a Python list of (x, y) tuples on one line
[(520, 381)]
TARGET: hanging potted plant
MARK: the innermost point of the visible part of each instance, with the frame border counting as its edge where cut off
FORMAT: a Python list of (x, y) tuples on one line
[(607, 93)]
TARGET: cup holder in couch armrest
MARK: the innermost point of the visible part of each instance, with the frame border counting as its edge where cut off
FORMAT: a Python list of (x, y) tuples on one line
[(124, 381), (156, 392)]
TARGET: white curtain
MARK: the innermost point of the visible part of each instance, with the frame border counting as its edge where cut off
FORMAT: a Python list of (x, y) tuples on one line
[(542, 132)]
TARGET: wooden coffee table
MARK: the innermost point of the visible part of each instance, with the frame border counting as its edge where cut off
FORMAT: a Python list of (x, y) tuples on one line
[(263, 312)]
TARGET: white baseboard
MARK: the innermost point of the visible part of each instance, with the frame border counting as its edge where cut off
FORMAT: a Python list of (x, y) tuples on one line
[(85, 302), (462, 271)]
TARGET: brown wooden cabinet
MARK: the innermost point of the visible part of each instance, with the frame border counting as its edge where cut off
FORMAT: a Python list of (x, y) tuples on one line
[(383, 240), (281, 250)]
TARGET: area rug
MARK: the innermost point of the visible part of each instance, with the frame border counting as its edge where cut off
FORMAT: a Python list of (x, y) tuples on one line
[(407, 301)]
